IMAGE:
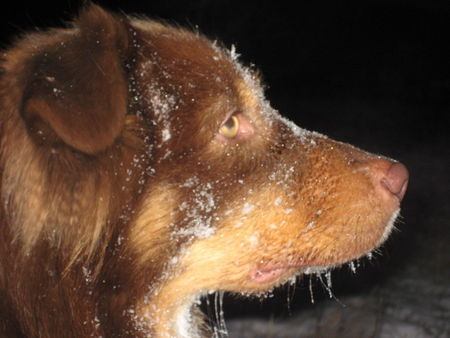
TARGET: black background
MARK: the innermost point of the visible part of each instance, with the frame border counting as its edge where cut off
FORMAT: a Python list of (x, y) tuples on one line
[(381, 68), (377, 69), (372, 73)]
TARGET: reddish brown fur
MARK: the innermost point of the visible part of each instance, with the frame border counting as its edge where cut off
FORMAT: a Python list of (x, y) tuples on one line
[(122, 202)]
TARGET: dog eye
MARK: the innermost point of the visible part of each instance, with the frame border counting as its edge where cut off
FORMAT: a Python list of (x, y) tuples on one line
[(231, 127)]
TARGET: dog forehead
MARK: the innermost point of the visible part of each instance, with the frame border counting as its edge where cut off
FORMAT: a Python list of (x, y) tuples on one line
[(186, 63), (176, 48)]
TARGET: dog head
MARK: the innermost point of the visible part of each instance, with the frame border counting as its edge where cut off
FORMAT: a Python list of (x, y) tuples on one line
[(148, 155)]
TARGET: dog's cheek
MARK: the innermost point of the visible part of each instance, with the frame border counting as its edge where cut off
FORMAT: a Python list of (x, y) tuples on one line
[(152, 226), (244, 237)]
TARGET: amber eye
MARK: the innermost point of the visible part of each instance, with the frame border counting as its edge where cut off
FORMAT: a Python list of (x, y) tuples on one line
[(231, 127)]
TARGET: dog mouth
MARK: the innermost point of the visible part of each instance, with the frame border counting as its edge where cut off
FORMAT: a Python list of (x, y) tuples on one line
[(278, 271), (272, 272), (268, 274)]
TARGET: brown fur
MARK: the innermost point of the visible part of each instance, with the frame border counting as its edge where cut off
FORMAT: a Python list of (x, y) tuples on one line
[(122, 204)]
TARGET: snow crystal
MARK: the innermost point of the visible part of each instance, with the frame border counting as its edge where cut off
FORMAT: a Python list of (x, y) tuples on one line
[(120, 240), (190, 182), (228, 212), (199, 210), (166, 134), (309, 226), (162, 104), (314, 270), (198, 229), (247, 208), (234, 56), (282, 175), (328, 277), (87, 275), (239, 224), (352, 266), (96, 322), (277, 202), (253, 240), (311, 290)]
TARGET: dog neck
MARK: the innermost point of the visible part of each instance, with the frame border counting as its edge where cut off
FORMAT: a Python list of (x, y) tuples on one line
[(172, 312)]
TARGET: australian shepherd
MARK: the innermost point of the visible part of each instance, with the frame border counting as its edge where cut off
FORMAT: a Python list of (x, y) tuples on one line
[(141, 167)]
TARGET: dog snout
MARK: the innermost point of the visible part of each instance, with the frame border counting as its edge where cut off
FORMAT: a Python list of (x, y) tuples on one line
[(396, 180), (392, 177)]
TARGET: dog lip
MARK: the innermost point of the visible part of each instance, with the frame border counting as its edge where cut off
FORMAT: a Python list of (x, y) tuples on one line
[(271, 272)]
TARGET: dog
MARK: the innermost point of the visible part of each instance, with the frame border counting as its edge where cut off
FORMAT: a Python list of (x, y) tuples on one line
[(142, 168)]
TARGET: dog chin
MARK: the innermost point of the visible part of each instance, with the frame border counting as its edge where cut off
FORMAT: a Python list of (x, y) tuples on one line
[(389, 226), (275, 274)]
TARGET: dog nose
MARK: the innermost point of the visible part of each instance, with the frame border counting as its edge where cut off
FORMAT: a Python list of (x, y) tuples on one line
[(395, 180)]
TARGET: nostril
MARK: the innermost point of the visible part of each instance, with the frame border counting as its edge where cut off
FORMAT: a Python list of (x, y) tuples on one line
[(396, 180)]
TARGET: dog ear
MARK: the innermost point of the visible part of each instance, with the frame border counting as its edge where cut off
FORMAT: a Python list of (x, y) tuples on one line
[(78, 88)]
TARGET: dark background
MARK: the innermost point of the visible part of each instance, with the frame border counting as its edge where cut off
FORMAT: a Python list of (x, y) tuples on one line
[(372, 73)]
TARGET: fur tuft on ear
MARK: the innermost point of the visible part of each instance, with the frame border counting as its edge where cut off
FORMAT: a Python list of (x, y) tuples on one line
[(78, 88)]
